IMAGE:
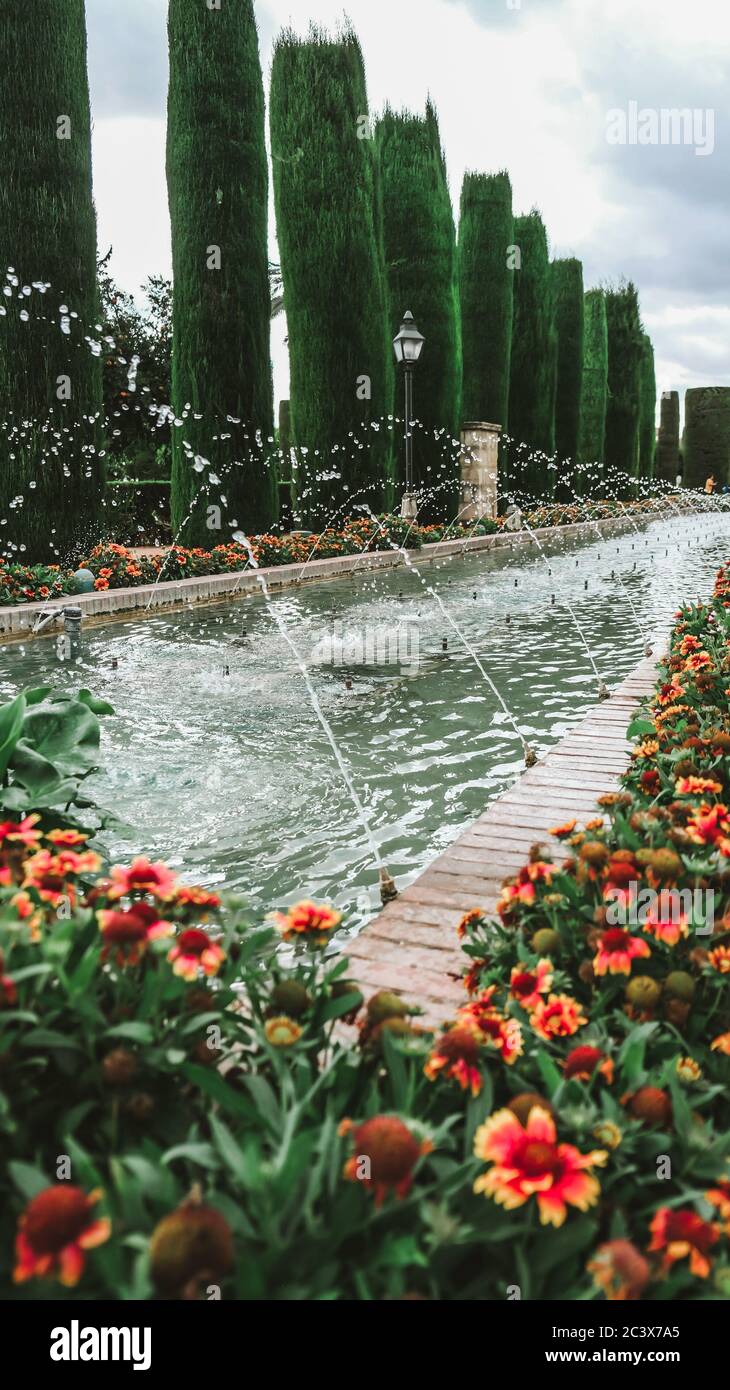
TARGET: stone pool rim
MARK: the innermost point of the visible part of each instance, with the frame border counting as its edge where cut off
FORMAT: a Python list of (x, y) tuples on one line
[(17, 622)]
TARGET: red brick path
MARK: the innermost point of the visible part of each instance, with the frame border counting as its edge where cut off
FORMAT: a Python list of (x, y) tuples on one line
[(411, 947)]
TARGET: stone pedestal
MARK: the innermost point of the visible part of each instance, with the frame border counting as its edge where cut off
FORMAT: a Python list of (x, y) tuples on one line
[(479, 453)]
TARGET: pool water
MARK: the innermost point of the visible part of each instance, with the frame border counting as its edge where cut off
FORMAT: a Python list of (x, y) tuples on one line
[(217, 763)]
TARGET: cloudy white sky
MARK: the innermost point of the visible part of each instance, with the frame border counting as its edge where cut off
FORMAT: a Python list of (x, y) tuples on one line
[(525, 85)]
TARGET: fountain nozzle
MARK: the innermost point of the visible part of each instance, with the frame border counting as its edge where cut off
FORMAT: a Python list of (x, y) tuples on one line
[(530, 756), (388, 890), (603, 691)]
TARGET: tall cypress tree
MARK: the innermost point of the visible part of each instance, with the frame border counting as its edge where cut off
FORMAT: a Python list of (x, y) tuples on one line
[(486, 285), (568, 299), (217, 178), (647, 409), (50, 382), (533, 371), (594, 391), (624, 378), (330, 229), (420, 260)]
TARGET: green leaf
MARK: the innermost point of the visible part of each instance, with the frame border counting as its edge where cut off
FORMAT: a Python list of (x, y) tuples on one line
[(549, 1072), (202, 1154), (12, 716), (212, 1084), (638, 727), (228, 1149), (136, 1032), (96, 705), (28, 1180)]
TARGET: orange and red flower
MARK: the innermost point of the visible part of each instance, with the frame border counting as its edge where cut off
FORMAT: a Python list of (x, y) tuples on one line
[(529, 1162), (385, 1155), (583, 1062), (558, 1016), (527, 986), (666, 926), (617, 948), (456, 1055), (127, 934), (498, 1031), (14, 833), (619, 1270), (194, 951), (55, 1230), (141, 876), (683, 1234), (307, 921), (697, 786)]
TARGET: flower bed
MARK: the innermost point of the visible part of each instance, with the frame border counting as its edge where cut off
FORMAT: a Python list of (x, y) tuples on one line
[(116, 567), (181, 1108)]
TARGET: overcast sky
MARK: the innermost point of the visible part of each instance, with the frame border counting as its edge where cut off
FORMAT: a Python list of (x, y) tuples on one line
[(525, 85)]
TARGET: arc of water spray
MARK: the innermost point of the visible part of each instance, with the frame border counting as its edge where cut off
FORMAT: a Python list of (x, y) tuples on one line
[(387, 886), (528, 752)]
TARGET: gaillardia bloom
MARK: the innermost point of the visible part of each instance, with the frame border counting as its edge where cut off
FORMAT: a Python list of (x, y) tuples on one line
[(142, 877), (616, 950), (470, 919), (306, 921), (282, 1031), (583, 1062), (502, 1033), (681, 1234), (55, 1230), (456, 1054), (127, 934), (666, 926), (619, 1270), (530, 1162), (527, 986), (558, 1016), (385, 1155), (194, 951)]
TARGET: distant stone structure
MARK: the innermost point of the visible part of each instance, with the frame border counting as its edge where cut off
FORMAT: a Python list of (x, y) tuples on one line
[(479, 454), (706, 439), (666, 460)]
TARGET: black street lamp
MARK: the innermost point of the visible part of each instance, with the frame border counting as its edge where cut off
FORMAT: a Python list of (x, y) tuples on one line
[(408, 346)]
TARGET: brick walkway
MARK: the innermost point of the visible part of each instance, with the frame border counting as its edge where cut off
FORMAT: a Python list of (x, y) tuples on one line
[(411, 947)]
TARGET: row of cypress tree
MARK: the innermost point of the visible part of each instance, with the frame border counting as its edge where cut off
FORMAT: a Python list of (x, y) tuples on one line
[(366, 230)]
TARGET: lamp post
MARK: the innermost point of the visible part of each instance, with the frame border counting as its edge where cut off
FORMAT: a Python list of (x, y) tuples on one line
[(408, 345)]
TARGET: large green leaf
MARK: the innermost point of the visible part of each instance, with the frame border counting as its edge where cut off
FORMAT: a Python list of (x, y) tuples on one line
[(12, 716)]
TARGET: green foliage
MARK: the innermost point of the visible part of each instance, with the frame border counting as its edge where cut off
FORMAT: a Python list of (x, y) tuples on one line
[(647, 409), (48, 234), (217, 180), (420, 260), (145, 333), (594, 390), (706, 439), (533, 374), (486, 284), (567, 278), (624, 378), (49, 745), (329, 221)]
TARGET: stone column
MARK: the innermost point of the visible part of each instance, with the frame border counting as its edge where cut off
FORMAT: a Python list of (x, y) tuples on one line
[(479, 453)]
